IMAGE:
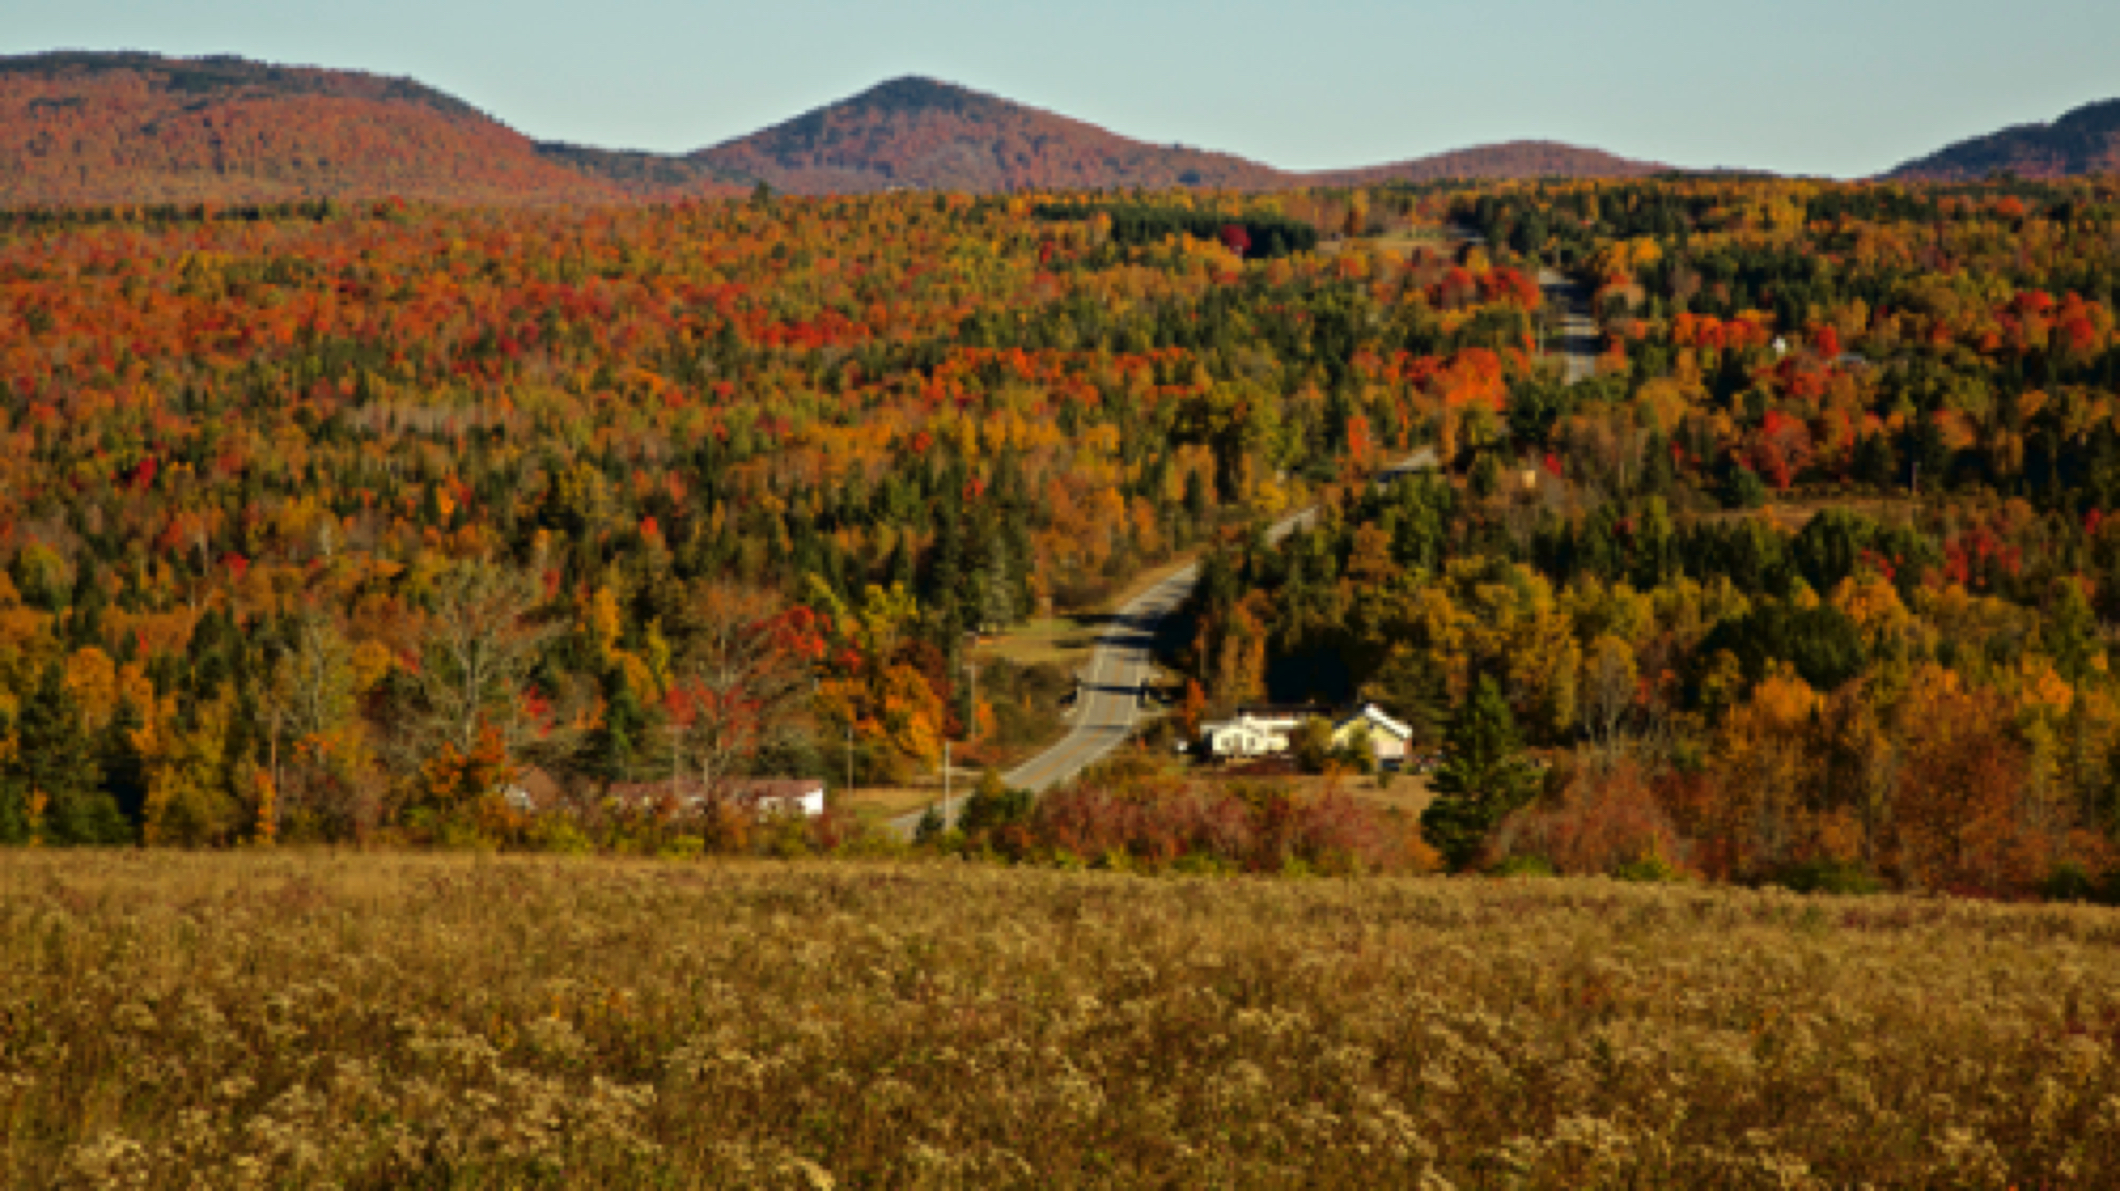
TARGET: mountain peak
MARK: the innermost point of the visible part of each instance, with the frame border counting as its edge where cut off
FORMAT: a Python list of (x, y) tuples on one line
[(915, 93), (922, 133)]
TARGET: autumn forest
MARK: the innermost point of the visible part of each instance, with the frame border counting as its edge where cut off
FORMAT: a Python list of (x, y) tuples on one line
[(330, 520)]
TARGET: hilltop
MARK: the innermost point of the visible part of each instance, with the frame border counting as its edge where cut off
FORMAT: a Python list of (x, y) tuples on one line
[(86, 129), (2085, 141), (1512, 159), (922, 134)]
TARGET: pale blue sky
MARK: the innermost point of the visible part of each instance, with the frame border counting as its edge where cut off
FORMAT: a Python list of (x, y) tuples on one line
[(1840, 87)]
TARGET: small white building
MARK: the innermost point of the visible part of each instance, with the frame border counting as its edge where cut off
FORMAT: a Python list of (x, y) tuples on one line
[(1389, 739), (1255, 732)]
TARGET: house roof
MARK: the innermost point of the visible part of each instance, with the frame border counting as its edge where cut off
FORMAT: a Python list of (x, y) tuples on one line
[(1375, 716), (687, 789), (535, 787)]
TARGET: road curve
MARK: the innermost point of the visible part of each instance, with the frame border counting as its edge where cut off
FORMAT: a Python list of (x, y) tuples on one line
[(1110, 703)]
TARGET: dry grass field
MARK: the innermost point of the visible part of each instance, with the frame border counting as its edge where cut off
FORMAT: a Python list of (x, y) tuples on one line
[(260, 1020)]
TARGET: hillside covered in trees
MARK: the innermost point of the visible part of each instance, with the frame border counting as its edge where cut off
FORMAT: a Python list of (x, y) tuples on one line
[(320, 521), (96, 129), (1815, 582), (918, 133), (2085, 141)]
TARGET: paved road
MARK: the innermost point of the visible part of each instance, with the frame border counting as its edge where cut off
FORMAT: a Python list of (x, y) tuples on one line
[(1578, 342), (1110, 704)]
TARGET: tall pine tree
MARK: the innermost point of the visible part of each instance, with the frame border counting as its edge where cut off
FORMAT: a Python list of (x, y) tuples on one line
[(1484, 777)]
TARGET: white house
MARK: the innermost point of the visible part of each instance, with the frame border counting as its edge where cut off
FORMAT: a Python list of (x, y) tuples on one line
[(1255, 732), (1388, 738)]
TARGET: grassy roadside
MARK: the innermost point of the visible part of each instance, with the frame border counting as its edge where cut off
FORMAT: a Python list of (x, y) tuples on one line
[(1070, 640)]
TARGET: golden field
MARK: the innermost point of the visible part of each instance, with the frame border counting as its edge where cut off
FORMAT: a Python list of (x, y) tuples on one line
[(291, 1020)]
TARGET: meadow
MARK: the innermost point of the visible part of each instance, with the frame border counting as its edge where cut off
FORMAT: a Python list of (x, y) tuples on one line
[(262, 1019)]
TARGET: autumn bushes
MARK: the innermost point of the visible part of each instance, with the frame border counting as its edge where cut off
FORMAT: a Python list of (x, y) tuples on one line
[(1207, 828), (1603, 822), (1940, 793)]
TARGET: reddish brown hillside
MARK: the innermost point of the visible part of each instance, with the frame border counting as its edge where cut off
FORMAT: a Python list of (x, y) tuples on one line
[(1514, 159), (96, 129), (922, 134), (2085, 141)]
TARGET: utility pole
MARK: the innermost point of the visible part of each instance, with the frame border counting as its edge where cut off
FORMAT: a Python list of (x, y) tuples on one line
[(971, 732)]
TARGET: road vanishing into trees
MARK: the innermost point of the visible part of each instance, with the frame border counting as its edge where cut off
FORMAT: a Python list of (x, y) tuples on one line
[(1577, 342), (1108, 706)]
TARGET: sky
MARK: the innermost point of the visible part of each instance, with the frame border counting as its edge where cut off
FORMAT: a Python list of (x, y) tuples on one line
[(1833, 87)]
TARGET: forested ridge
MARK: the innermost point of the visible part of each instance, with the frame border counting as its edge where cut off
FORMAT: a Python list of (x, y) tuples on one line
[(321, 521), (96, 129), (2083, 141), (1815, 582)]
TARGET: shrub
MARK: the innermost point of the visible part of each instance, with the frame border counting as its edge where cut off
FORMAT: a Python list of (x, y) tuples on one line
[(2068, 882), (1523, 864), (1256, 828), (1828, 876), (1651, 867), (1607, 817)]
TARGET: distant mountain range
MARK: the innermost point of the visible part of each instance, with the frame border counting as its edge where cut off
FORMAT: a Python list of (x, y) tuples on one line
[(89, 128), (924, 134), (2085, 141)]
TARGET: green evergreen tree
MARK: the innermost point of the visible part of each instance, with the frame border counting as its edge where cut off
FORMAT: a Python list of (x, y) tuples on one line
[(1743, 489), (1484, 777), (614, 747), (55, 757), (1876, 463), (14, 802), (124, 769)]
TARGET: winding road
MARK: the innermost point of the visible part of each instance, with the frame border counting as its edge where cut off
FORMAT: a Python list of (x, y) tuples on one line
[(1109, 707), (1110, 704)]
